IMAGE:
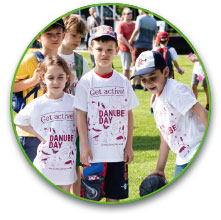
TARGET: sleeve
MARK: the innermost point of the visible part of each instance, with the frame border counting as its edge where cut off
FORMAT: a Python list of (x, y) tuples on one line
[(85, 66), (81, 96), (184, 99), (26, 68), (23, 118), (138, 22), (132, 99), (173, 53)]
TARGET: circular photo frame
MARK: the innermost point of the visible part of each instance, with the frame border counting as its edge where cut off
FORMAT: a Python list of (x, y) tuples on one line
[(148, 133)]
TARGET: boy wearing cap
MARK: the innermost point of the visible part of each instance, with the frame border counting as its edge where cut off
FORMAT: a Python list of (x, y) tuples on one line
[(180, 119), (170, 56), (169, 53), (27, 78), (104, 103)]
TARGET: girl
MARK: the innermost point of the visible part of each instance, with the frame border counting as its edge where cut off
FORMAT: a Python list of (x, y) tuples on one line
[(52, 119)]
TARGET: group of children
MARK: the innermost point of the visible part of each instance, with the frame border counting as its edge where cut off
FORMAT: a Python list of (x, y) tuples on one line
[(97, 105)]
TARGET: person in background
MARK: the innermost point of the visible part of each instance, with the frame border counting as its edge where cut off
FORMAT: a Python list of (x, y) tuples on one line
[(124, 32), (143, 39), (92, 21)]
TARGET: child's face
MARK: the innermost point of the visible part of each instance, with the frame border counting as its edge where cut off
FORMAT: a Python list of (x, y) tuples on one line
[(55, 79), (72, 39), (155, 81), (104, 53), (51, 39)]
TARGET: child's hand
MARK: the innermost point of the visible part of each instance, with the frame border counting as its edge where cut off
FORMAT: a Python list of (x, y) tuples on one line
[(128, 155), (180, 71), (158, 172), (36, 75), (85, 153), (41, 139)]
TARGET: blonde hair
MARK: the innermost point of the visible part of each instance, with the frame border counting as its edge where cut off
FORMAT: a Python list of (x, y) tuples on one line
[(74, 21), (123, 12), (53, 61)]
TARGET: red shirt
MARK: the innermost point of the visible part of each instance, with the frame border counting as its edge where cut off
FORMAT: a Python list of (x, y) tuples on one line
[(126, 30)]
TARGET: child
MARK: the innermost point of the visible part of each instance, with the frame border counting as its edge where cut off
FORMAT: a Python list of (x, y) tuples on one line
[(170, 56), (169, 53), (52, 119), (27, 78), (104, 102), (179, 117), (75, 28), (198, 76)]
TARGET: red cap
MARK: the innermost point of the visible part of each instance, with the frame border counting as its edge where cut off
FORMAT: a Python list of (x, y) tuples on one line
[(161, 35)]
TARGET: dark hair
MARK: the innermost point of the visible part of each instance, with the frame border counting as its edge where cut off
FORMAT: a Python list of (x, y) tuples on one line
[(53, 61), (105, 39)]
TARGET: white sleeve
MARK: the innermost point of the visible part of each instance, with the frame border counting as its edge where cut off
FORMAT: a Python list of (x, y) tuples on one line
[(182, 98), (85, 66), (23, 118), (81, 96), (173, 53), (132, 99)]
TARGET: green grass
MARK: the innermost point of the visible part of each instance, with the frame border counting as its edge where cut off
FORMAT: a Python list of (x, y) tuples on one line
[(146, 139)]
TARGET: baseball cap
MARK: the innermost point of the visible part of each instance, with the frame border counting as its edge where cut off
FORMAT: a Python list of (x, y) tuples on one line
[(59, 22), (161, 35), (104, 30), (147, 62)]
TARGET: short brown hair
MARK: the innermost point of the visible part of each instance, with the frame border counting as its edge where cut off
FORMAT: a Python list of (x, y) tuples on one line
[(74, 21), (53, 61)]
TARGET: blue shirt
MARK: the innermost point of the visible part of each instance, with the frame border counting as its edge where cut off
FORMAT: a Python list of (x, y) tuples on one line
[(148, 28)]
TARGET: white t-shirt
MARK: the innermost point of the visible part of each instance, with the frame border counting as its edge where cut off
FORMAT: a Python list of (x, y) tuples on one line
[(181, 129), (55, 121), (197, 69), (106, 101), (173, 53), (70, 59)]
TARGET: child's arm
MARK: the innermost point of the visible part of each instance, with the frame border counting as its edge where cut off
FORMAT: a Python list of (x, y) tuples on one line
[(31, 130), (179, 69), (201, 112), (82, 130), (128, 151), (27, 83), (162, 159)]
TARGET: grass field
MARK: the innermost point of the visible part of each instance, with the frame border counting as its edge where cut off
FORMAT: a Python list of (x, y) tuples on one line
[(146, 136)]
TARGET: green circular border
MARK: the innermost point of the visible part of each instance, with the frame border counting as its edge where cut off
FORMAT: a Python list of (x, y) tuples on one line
[(163, 19)]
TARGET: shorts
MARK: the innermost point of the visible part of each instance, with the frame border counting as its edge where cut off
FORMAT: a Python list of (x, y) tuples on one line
[(195, 81), (110, 182), (30, 146), (125, 59), (78, 163), (136, 52), (179, 169)]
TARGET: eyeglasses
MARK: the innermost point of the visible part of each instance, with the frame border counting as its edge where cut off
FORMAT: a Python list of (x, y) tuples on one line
[(129, 13)]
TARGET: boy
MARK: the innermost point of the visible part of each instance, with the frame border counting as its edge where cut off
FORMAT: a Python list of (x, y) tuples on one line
[(179, 117), (27, 78), (170, 56), (169, 53), (75, 28), (104, 102)]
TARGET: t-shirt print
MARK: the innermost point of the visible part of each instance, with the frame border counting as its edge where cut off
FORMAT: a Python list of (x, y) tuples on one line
[(58, 152), (107, 120)]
